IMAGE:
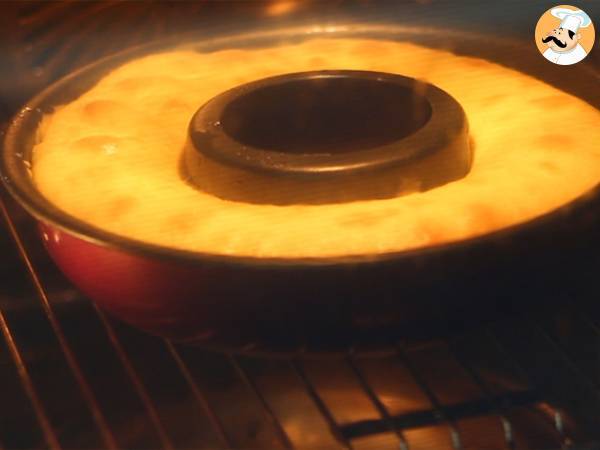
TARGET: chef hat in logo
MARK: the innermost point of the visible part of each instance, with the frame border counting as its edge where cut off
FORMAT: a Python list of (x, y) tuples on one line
[(571, 19)]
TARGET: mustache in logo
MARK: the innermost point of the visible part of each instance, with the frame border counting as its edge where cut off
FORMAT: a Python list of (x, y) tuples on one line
[(556, 41)]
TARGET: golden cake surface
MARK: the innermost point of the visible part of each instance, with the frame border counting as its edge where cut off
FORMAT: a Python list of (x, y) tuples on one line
[(111, 157)]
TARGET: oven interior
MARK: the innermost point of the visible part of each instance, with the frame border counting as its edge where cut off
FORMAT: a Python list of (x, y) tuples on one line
[(71, 377)]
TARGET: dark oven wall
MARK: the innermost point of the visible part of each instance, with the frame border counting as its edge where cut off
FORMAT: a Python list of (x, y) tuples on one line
[(41, 41)]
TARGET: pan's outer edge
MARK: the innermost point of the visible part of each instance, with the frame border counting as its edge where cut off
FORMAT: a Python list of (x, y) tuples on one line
[(18, 182)]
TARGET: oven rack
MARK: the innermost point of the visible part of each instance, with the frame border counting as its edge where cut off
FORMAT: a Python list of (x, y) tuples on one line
[(74, 378)]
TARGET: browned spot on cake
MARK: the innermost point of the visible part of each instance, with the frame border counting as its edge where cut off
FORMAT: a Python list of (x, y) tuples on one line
[(98, 109), (549, 166), (548, 101), (120, 205), (317, 61), (174, 104), (555, 140), (179, 222), (491, 100), (476, 62), (435, 232), (482, 216)]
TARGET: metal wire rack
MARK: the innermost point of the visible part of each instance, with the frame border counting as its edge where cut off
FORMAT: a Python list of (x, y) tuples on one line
[(74, 378)]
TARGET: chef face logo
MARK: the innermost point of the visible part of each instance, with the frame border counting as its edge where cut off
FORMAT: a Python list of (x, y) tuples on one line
[(564, 35), (561, 40)]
